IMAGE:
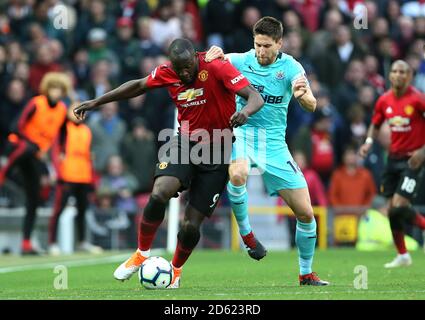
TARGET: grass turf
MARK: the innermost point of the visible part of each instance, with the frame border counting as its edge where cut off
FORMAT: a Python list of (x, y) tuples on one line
[(217, 275)]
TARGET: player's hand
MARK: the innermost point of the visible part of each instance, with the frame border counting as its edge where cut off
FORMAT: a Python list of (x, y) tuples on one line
[(81, 109), (214, 53), (300, 87), (238, 118), (364, 149), (417, 159)]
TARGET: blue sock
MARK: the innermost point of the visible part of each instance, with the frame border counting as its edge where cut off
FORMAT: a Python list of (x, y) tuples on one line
[(238, 197), (305, 238)]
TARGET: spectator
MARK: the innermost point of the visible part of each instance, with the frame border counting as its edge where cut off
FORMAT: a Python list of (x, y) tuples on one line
[(316, 142), (147, 46), (372, 76), (108, 131), (93, 17), (219, 23), (126, 49), (121, 184), (242, 37), (348, 90), (98, 50), (165, 26), (139, 152), (323, 37), (43, 64), (81, 68), (332, 64), (348, 177), (315, 185), (100, 77), (11, 107), (309, 11)]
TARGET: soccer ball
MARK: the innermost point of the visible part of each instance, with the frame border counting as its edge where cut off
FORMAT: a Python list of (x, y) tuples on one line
[(156, 273)]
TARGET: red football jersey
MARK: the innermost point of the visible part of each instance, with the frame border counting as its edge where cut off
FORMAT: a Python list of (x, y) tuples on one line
[(406, 117), (208, 102)]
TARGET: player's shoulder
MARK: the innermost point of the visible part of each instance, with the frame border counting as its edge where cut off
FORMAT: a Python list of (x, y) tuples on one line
[(416, 93), (287, 60), (242, 57), (387, 95), (218, 64)]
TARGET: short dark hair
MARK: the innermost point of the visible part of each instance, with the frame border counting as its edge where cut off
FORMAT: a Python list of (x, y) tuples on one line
[(269, 26), (181, 49)]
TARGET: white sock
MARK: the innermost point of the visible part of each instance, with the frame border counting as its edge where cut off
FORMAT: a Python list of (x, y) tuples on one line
[(146, 253)]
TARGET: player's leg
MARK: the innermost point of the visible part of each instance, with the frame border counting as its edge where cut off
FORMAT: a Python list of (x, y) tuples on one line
[(201, 204), (238, 197), (402, 213), (81, 191), (31, 172), (15, 152), (187, 239), (62, 194), (164, 188), (305, 237)]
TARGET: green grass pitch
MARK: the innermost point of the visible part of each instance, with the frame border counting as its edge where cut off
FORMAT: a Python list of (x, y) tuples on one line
[(217, 275)]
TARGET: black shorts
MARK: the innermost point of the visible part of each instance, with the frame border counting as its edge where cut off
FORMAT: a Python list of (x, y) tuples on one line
[(399, 178), (205, 180)]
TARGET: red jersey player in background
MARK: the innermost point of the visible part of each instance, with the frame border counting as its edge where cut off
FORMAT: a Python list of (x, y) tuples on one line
[(403, 107), (204, 94)]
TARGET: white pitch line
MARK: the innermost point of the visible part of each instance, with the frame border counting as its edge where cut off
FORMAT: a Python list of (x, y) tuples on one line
[(73, 263)]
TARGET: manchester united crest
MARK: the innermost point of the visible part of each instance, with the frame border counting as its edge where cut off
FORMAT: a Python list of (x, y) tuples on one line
[(409, 110), (203, 75), (163, 165)]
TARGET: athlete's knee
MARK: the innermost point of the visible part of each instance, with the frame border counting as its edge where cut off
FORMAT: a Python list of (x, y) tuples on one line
[(189, 234), (162, 193), (155, 209), (238, 174), (306, 215), (401, 214), (395, 215)]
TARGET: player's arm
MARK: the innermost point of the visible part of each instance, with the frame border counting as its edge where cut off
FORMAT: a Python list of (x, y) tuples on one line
[(127, 90), (304, 95), (58, 150), (372, 134), (417, 159), (254, 103)]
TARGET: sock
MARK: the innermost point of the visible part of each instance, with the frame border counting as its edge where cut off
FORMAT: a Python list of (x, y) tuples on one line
[(305, 239), (144, 253), (419, 221), (181, 255), (26, 244), (238, 197), (147, 231), (249, 240), (398, 237)]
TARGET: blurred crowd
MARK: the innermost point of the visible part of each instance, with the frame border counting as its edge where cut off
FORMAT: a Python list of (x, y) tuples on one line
[(345, 46)]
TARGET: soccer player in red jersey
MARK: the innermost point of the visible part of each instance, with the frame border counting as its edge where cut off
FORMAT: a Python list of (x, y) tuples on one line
[(403, 107), (204, 94)]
